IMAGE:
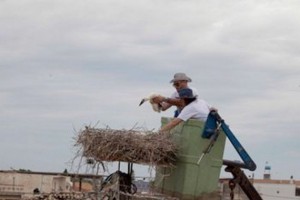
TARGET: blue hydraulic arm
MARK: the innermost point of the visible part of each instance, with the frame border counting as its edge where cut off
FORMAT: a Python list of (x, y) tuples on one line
[(213, 123), (212, 130)]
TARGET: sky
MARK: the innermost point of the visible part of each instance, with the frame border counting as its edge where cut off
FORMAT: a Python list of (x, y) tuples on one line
[(65, 64)]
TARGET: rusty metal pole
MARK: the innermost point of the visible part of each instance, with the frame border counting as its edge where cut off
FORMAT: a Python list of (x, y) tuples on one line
[(80, 184)]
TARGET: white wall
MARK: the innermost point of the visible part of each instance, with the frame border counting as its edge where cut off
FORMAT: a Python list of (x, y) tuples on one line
[(276, 191)]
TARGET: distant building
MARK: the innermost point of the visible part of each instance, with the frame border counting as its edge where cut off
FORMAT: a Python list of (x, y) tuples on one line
[(267, 188), (15, 185), (278, 189), (267, 172), (18, 184)]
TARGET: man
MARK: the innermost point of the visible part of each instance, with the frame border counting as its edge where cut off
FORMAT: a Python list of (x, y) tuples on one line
[(192, 108), (179, 81)]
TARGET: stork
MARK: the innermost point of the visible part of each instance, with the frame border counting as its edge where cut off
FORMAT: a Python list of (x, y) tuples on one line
[(155, 106)]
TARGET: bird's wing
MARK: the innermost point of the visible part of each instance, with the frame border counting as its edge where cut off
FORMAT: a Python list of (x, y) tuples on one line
[(156, 107), (152, 96)]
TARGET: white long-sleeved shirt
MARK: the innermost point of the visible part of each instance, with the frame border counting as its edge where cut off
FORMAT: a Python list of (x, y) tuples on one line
[(198, 109)]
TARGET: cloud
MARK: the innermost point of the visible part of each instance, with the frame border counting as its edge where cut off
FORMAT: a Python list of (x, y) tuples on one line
[(71, 63)]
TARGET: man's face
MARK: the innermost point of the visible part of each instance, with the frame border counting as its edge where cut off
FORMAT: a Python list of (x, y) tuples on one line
[(180, 103), (180, 84)]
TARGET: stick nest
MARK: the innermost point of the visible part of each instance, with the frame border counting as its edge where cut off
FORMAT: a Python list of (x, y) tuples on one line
[(141, 147)]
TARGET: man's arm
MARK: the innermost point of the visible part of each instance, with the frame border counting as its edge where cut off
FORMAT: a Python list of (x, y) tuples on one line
[(171, 125), (167, 102), (165, 106)]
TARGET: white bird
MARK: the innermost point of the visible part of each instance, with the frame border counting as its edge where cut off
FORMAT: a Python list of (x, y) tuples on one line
[(155, 106)]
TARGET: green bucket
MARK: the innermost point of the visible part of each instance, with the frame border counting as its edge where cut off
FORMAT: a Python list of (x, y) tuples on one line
[(188, 180)]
